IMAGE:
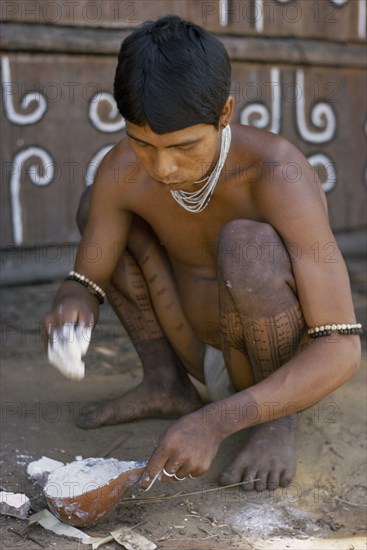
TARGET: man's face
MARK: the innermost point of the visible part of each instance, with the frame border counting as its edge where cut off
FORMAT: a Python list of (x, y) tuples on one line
[(177, 159)]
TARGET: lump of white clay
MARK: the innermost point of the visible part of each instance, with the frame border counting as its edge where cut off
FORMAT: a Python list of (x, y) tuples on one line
[(67, 347), (86, 475), (39, 470), (14, 504)]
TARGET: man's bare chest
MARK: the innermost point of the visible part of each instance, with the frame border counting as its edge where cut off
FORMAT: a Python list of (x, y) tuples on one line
[(191, 238)]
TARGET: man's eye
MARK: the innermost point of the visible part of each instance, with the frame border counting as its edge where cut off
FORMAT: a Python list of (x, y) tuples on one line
[(185, 147)]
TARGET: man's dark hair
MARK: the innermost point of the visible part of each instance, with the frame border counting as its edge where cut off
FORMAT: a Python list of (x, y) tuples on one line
[(172, 74)]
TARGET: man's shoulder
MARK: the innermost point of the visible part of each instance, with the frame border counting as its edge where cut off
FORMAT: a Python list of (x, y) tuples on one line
[(262, 145), (272, 158), (119, 166), (276, 169), (119, 155)]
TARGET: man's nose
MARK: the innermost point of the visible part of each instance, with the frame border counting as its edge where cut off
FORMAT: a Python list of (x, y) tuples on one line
[(164, 165)]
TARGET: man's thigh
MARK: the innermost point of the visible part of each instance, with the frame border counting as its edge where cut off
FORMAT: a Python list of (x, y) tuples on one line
[(166, 300)]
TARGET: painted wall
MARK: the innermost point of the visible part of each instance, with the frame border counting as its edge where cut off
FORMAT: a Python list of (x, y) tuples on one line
[(298, 70)]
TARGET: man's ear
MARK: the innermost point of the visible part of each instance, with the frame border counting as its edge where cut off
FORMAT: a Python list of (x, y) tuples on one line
[(226, 116)]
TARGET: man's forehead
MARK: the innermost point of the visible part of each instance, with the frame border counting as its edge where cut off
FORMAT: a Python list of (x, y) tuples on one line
[(190, 134)]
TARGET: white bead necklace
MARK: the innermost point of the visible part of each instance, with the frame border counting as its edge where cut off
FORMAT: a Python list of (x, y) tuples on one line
[(196, 201)]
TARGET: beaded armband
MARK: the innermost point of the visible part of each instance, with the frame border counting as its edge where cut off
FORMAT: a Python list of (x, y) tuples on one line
[(327, 330), (89, 285)]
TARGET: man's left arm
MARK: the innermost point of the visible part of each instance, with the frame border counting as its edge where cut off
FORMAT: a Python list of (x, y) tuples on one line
[(298, 213)]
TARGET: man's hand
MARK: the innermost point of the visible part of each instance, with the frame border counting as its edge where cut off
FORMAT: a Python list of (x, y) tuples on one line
[(73, 305), (68, 327), (187, 448)]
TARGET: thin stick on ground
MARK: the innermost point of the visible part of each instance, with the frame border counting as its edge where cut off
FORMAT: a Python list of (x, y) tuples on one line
[(147, 500), (119, 441)]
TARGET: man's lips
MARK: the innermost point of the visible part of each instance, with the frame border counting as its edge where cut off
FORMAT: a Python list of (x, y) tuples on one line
[(172, 186), (177, 186)]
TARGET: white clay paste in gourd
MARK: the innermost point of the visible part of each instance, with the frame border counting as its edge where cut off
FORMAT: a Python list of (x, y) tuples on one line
[(82, 476)]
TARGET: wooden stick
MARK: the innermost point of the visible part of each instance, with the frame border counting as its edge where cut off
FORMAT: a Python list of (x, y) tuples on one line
[(146, 500), (26, 535), (119, 441)]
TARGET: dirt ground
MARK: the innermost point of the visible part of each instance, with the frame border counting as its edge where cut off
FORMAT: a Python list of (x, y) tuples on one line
[(324, 508)]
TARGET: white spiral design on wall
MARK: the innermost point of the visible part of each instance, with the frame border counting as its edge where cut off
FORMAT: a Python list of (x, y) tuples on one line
[(11, 113), (322, 116), (259, 15), (223, 12), (108, 127), (362, 16), (94, 163), (327, 163), (34, 173), (258, 115)]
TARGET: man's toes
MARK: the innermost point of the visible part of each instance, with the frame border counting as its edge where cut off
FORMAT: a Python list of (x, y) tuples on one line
[(229, 476), (85, 422), (90, 417), (260, 484), (232, 474), (273, 480), (248, 479), (285, 478)]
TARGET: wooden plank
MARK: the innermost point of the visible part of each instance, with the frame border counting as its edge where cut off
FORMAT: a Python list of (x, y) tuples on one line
[(33, 265), (292, 51), (45, 38), (319, 19), (99, 13), (42, 38)]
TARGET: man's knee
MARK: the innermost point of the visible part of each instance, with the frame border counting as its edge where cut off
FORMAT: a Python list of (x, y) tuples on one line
[(254, 247), (248, 241), (83, 209), (248, 229)]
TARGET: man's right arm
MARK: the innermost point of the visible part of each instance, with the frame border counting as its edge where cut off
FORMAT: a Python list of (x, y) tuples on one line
[(104, 239)]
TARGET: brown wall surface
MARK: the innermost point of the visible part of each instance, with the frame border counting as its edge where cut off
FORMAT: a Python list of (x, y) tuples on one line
[(298, 70)]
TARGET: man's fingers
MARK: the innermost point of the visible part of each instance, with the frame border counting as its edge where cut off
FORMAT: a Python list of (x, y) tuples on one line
[(184, 472), (61, 316), (152, 471), (157, 475), (168, 472), (66, 315), (173, 470)]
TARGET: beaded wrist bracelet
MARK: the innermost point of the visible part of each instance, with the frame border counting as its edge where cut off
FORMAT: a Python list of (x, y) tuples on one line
[(89, 285), (326, 330)]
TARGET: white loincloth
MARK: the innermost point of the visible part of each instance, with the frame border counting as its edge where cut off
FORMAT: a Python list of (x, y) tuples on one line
[(217, 379)]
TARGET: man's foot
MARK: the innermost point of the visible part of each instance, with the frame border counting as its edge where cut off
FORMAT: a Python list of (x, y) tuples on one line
[(144, 401), (269, 456)]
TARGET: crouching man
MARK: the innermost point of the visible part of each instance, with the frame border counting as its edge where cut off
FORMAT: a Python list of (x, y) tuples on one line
[(215, 273)]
